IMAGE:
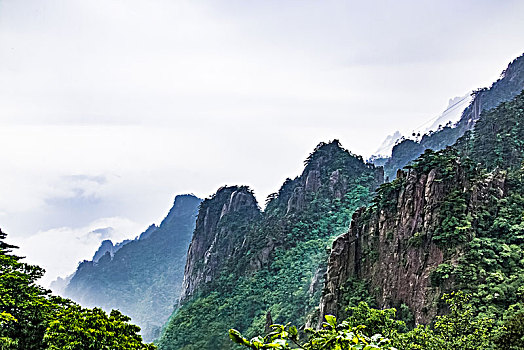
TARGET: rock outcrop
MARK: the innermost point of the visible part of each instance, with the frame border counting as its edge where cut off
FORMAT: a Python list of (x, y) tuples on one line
[(221, 227), (391, 244), (330, 173), (107, 246), (328, 169)]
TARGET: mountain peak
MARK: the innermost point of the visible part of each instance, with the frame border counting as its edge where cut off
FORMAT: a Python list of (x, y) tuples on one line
[(220, 229)]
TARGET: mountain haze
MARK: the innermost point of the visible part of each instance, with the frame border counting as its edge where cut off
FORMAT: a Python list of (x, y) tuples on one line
[(143, 278), (508, 86)]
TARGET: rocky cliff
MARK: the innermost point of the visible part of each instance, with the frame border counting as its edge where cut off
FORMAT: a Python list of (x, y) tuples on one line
[(451, 220), (217, 235), (394, 246)]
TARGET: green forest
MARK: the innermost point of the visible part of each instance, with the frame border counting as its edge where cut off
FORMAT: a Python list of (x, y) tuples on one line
[(281, 285), (368, 328)]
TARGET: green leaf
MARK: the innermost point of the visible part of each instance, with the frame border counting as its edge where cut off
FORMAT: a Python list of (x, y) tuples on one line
[(331, 320), (238, 338)]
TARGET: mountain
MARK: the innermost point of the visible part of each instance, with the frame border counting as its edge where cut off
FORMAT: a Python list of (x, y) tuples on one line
[(142, 278), (247, 267), (59, 285), (384, 151), (451, 114), (449, 117), (451, 220), (506, 88), (107, 246)]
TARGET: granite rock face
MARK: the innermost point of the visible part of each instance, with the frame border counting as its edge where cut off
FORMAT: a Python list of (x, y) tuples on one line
[(215, 239), (390, 246)]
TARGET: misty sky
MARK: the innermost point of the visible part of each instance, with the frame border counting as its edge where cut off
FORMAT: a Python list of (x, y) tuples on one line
[(108, 109)]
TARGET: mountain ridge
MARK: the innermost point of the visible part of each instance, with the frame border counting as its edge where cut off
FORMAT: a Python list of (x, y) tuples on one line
[(143, 278), (262, 248), (510, 84)]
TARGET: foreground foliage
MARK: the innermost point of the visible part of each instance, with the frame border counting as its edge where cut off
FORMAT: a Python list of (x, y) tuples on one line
[(332, 336), (367, 328), (33, 319)]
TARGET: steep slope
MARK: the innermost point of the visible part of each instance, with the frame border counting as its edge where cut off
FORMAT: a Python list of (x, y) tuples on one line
[(247, 267), (215, 239), (143, 278), (506, 88), (452, 220), (498, 137)]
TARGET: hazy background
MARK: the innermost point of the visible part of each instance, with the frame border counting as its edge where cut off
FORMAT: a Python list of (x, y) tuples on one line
[(108, 109)]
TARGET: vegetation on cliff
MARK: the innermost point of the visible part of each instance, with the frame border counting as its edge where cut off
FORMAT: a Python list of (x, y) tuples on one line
[(491, 265), (453, 220)]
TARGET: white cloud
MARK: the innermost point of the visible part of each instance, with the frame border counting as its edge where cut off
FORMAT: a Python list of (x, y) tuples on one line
[(59, 250)]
